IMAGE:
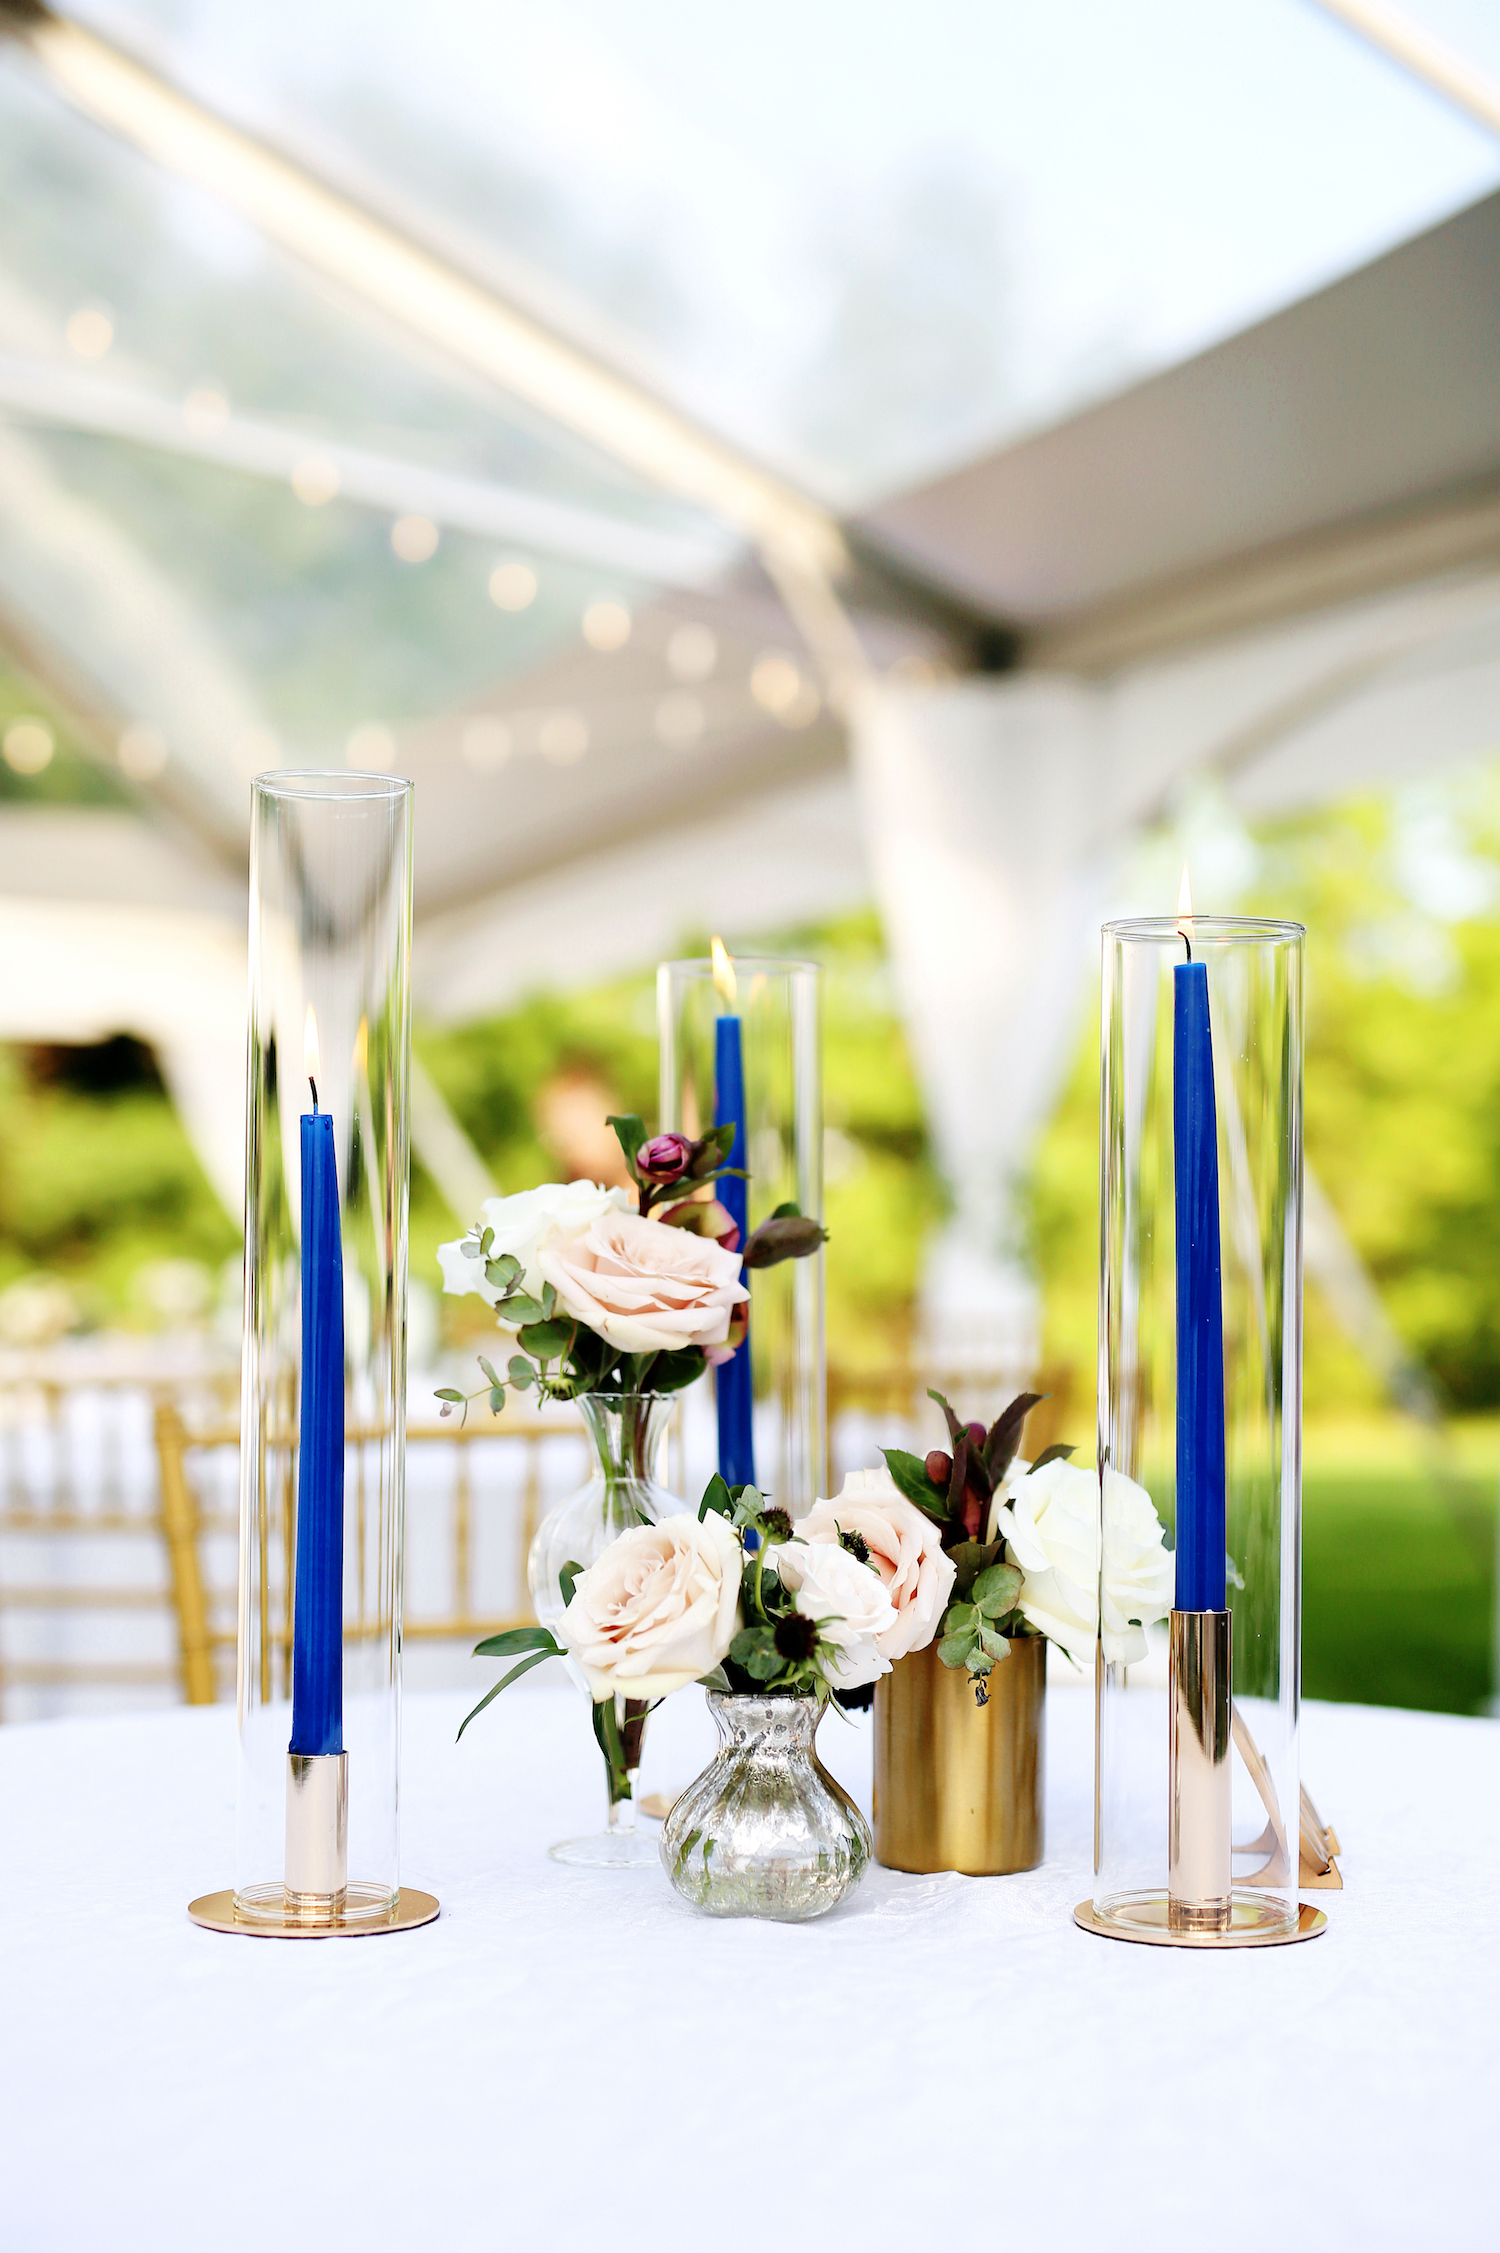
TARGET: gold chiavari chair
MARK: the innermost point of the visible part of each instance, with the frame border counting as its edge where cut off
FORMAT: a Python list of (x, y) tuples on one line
[(101, 1575), (493, 1495)]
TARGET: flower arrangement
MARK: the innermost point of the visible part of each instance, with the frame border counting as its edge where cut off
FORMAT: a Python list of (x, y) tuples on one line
[(737, 1599), (600, 1298), (1023, 1540)]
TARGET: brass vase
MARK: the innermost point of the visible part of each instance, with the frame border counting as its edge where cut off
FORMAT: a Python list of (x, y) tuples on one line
[(959, 1786)]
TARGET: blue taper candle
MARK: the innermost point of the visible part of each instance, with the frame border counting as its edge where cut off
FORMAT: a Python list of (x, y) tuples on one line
[(732, 1378), (318, 1613), (1200, 1301)]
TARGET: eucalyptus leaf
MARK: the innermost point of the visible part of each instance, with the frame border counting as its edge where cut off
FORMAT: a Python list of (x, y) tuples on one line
[(978, 1661), (954, 1649), (994, 1645), (447, 1392), (545, 1340), (996, 1590), (520, 1373), (962, 1619), (549, 1301), (488, 1368), (522, 1307)]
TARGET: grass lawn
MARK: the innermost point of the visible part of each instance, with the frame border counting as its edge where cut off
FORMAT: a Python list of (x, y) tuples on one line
[(1398, 1574)]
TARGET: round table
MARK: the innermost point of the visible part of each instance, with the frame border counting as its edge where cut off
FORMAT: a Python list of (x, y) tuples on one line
[(574, 2059)]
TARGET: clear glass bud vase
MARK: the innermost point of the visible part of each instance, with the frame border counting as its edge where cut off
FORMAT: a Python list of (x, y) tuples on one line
[(624, 1490), (765, 1831)]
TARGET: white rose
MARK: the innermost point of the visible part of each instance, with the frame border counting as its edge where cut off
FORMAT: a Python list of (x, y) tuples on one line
[(905, 1549), (645, 1287), (1050, 1523), (660, 1608), (849, 1602), (521, 1224)]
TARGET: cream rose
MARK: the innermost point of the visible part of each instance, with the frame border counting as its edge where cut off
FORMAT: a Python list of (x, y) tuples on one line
[(521, 1224), (848, 1600), (660, 1608), (1050, 1523), (905, 1549), (645, 1287)]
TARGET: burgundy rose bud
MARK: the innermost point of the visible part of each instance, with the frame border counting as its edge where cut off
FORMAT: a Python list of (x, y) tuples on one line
[(706, 1217), (664, 1158), (939, 1468), (976, 1435)]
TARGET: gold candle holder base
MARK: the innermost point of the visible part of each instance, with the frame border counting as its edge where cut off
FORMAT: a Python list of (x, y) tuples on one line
[(1254, 1923), (216, 1912)]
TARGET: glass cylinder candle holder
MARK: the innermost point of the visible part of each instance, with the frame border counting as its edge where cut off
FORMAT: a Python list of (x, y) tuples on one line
[(1200, 1405), (323, 1422), (741, 1039)]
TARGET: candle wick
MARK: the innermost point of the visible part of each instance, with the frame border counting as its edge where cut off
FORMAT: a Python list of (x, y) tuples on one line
[(1187, 942), (312, 1083)]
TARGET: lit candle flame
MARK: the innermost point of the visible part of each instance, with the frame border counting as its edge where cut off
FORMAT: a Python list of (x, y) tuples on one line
[(1185, 907), (724, 977)]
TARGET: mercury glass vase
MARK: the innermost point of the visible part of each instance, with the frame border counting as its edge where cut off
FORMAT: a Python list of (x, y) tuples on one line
[(765, 1831), (626, 1431)]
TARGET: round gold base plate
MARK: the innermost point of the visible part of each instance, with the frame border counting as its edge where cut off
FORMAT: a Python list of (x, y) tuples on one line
[(1146, 1920), (215, 1912)]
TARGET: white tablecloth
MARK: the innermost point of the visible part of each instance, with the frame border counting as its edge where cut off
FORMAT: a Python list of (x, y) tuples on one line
[(570, 2059)]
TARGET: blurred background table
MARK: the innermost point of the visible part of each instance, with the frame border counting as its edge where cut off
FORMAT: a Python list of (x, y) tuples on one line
[(583, 2060)]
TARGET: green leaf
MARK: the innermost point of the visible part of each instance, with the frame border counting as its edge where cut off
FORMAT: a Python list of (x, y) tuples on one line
[(978, 1661), (764, 1664), (712, 1151), (497, 1399), (567, 1580), (485, 1242), (718, 1680), (786, 1212), (521, 1307), (513, 1639), (446, 1392), (545, 1340), (488, 1369), (962, 1619), (954, 1649), (993, 1645), (549, 1301), (630, 1133), (911, 1477), (674, 1370), (538, 1658), (996, 1590), (520, 1373), (1004, 1435), (955, 1428), (716, 1497), (504, 1271), (1052, 1455)]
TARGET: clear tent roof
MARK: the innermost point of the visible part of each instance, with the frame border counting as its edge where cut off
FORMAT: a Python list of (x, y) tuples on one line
[(862, 243)]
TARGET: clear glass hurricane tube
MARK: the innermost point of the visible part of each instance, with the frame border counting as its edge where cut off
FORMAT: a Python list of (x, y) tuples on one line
[(330, 998), (1255, 1014), (778, 1004)]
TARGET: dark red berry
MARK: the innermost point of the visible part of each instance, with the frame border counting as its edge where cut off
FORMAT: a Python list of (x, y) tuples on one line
[(939, 1467)]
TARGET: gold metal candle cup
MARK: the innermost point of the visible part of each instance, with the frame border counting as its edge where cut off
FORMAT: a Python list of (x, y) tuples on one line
[(317, 1836), (1199, 1869), (959, 1786)]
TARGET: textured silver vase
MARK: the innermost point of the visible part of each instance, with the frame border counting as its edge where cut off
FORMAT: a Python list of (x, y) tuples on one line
[(765, 1831)]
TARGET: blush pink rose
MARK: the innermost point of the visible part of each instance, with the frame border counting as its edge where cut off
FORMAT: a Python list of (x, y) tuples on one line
[(905, 1549), (645, 1287)]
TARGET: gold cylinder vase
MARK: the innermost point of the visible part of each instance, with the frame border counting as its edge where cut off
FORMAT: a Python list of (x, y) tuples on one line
[(959, 1786)]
